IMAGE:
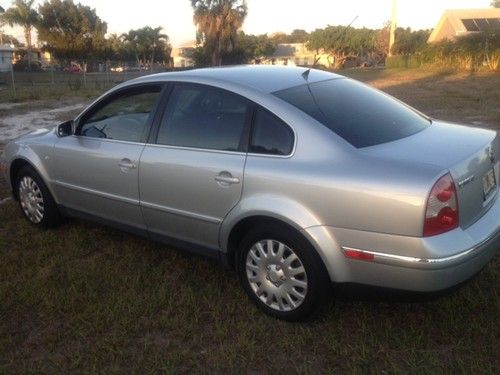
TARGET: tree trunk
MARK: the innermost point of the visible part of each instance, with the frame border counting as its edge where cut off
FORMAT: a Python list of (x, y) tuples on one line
[(27, 35)]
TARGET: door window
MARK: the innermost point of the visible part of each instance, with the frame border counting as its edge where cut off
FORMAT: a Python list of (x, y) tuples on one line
[(122, 118), (204, 117)]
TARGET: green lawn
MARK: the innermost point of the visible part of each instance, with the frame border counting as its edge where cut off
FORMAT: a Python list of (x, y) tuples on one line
[(85, 298)]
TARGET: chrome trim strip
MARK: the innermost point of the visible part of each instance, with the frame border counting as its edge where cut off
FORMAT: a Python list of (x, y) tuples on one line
[(175, 211), (102, 194), (186, 148), (83, 137), (426, 263)]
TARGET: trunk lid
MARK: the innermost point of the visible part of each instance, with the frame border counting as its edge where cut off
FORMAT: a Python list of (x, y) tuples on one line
[(471, 155)]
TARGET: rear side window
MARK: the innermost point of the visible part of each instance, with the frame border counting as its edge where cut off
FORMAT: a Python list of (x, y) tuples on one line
[(270, 135), (123, 117), (204, 117), (359, 114)]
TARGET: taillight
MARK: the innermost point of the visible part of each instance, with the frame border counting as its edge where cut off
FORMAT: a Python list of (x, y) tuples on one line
[(441, 214)]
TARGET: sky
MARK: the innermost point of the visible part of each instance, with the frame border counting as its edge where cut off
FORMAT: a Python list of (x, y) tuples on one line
[(269, 16)]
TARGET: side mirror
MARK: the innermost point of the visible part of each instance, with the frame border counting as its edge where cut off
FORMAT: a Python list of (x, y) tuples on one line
[(65, 129)]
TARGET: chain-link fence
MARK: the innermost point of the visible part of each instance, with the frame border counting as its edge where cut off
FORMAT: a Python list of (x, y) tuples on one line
[(37, 79)]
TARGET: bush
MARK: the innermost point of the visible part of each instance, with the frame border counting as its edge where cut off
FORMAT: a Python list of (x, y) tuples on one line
[(404, 61), (469, 52)]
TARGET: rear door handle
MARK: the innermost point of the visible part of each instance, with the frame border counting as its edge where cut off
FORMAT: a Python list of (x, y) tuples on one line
[(226, 178), (126, 164)]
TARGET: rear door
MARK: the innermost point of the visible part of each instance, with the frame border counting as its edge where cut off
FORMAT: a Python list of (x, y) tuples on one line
[(97, 168), (192, 175)]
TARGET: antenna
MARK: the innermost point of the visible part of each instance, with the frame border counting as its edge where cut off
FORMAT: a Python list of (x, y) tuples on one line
[(305, 75)]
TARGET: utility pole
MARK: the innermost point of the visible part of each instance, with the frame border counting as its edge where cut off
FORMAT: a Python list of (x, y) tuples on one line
[(393, 26), (1, 32)]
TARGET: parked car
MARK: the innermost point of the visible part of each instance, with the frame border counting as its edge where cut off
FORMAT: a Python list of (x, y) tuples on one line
[(73, 68), (295, 178)]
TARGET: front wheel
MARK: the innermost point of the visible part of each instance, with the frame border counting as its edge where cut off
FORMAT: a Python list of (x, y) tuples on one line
[(282, 273), (35, 200)]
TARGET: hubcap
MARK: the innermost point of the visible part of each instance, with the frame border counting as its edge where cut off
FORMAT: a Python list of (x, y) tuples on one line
[(31, 199), (276, 275)]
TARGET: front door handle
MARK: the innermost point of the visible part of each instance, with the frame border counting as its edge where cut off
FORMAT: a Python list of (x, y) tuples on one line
[(226, 178), (126, 164)]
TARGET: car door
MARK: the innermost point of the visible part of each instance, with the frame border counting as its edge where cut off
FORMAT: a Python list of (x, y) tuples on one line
[(97, 168), (192, 175)]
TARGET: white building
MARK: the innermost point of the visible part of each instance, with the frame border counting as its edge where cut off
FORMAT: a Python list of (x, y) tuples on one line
[(6, 56), (182, 56)]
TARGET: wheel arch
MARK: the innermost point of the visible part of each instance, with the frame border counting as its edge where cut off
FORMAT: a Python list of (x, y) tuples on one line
[(20, 162), (241, 227)]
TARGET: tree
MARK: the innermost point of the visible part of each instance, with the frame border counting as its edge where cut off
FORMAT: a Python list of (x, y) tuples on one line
[(22, 14), (10, 39), (279, 37), (298, 36), (71, 31), (381, 41), (249, 48), (408, 42), (495, 3), (148, 44), (217, 23), (342, 43)]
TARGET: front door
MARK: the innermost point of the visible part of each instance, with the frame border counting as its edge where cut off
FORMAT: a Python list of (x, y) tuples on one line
[(193, 176), (97, 168)]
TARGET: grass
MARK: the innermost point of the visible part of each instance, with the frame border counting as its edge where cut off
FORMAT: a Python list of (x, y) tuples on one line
[(85, 298)]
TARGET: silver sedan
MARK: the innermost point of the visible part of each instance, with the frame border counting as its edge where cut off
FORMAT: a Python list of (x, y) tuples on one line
[(294, 177)]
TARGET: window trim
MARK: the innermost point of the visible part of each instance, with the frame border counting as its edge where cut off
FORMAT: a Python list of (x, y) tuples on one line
[(105, 100), (171, 86)]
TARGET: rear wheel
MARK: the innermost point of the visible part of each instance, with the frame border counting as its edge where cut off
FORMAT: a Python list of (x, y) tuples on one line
[(35, 200), (282, 273)]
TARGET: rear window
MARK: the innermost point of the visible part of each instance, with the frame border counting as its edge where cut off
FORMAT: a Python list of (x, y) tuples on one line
[(359, 114)]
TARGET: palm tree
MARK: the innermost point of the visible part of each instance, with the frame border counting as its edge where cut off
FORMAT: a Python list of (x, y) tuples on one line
[(158, 39), (217, 24), (146, 43), (22, 14)]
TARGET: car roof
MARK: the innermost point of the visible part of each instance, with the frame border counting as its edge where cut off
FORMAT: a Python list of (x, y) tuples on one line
[(265, 78)]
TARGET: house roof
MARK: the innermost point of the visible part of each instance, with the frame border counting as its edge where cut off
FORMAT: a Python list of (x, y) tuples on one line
[(451, 23), (6, 48)]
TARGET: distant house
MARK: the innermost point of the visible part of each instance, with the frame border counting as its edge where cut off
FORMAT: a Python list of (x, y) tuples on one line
[(182, 56), (43, 58), (6, 56), (458, 22), (295, 54)]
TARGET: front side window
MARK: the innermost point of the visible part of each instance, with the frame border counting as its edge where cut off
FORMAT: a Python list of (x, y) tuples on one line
[(270, 135), (204, 117), (123, 118), (361, 115)]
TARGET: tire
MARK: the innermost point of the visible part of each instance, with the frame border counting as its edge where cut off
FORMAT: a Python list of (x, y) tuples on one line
[(35, 200), (275, 282)]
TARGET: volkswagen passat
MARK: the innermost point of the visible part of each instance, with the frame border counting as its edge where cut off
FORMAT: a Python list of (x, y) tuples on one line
[(295, 178)]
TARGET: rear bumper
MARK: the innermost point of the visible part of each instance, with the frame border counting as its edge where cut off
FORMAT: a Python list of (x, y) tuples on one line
[(410, 263)]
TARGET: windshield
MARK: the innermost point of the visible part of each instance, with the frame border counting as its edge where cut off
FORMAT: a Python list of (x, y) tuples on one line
[(359, 114)]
